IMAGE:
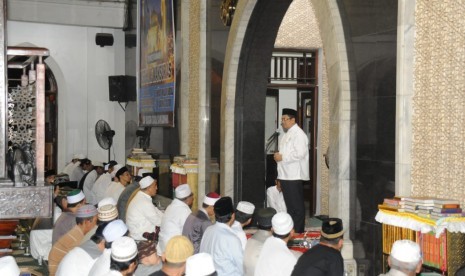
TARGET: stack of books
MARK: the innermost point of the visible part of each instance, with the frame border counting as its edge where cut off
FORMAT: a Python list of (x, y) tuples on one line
[(446, 208), (391, 204), (427, 207)]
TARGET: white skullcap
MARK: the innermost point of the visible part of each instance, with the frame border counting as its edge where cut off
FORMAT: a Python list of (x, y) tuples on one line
[(200, 264), (142, 171), (106, 201), (8, 266), (79, 156), (183, 191), (115, 170), (406, 251), (282, 223), (245, 207), (75, 196), (106, 166), (114, 230), (97, 164), (146, 181), (211, 198), (123, 249)]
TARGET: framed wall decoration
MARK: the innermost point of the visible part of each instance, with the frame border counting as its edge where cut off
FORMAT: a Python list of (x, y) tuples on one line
[(156, 63)]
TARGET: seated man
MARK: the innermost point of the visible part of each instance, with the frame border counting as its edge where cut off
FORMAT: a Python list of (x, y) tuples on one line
[(244, 213), (104, 181), (175, 216), (195, 225), (275, 197), (123, 257), (276, 258), (67, 221), (405, 259), (255, 243), (142, 215), (325, 258), (122, 179), (177, 250), (86, 219)]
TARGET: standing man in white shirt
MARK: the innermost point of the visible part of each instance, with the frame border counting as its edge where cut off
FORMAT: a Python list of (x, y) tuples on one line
[(275, 257), (175, 216), (293, 167), (142, 215)]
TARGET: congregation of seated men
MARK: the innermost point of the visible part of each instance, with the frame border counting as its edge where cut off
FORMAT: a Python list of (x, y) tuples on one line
[(109, 225)]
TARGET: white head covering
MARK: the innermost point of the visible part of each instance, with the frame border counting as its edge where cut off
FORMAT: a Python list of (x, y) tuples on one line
[(106, 167), (200, 264), (406, 251), (106, 201), (141, 172), (183, 191), (8, 266), (146, 181), (79, 156), (245, 207), (114, 230), (211, 198), (115, 170), (75, 197), (97, 164), (282, 223), (123, 249)]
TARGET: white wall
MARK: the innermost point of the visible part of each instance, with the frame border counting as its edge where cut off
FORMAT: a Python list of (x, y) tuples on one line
[(81, 69)]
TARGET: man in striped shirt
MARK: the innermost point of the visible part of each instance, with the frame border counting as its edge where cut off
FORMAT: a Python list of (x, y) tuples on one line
[(86, 219)]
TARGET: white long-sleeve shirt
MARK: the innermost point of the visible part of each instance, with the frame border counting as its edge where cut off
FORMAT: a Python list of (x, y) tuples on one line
[(220, 241), (142, 216), (114, 190), (275, 199), (239, 231), (100, 186), (87, 187), (172, 223), (293, 147), (275, 259)]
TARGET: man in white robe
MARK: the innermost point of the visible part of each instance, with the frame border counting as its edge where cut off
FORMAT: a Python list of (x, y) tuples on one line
[(142, 215), (243, 215), (103, 182), (68, 169), (89, 181), (123, 178), (275, 257), (275, 198), (175, 216)]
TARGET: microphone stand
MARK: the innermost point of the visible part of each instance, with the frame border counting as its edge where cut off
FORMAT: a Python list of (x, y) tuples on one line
[(268, 144)]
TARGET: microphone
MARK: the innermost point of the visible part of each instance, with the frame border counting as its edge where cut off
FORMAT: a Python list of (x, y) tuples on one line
[(273, 136)]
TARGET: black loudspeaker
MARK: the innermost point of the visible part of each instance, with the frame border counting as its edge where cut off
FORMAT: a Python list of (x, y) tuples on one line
[(102, 39), (122, 88)]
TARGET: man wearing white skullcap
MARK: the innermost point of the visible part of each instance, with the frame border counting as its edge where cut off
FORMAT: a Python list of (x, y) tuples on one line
[(405, 259), (113, 231), (200, 264), (123, 257), (86, 219), (275, 257), (9, 267), (196, 224), (75, 162), (67, 220), (122, 179), (175, 216), (142, 215), (244, 213), (103, 182)]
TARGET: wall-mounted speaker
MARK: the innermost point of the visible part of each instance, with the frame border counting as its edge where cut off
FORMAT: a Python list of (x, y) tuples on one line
[(122, 88), (103, 39)]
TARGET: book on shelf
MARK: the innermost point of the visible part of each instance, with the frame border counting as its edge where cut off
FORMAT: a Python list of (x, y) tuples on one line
[(391, 201), (447, 210), (437, 216), (387, 207), (446, 206)]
